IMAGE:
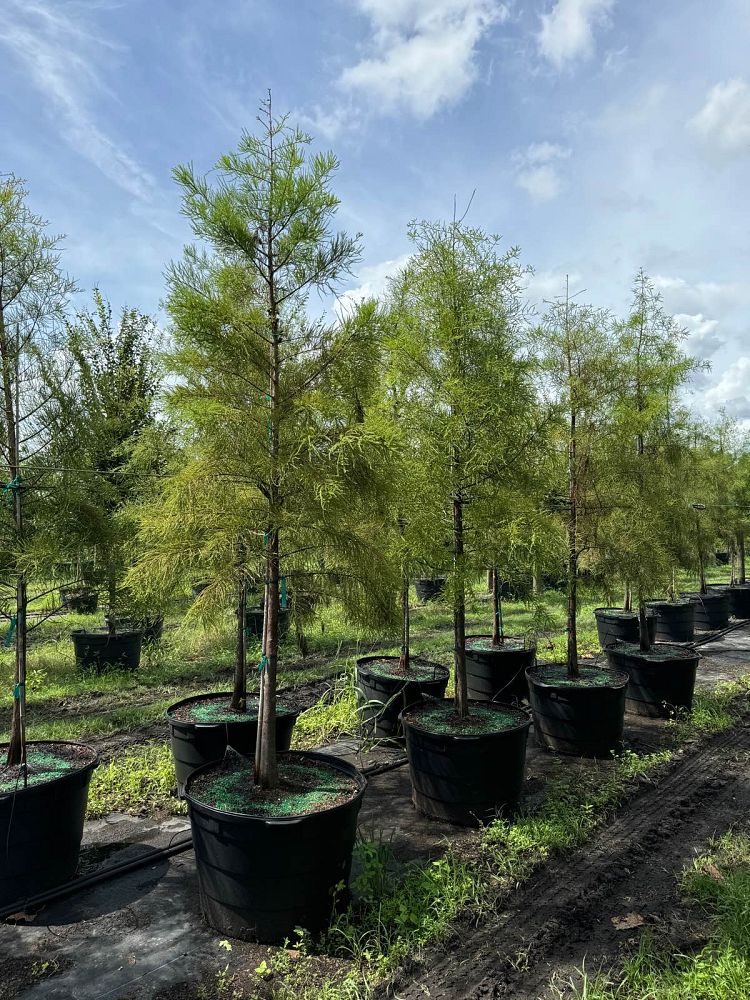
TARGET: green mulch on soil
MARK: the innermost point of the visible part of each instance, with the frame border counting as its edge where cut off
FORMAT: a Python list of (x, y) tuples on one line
[(482, 719), (657, 654), (418, 670), (44, 763), (557, 673), (484, 644), (217, 710), (305, 786)]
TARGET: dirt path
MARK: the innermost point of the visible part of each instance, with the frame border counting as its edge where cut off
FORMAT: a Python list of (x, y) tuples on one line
[(563, 917)]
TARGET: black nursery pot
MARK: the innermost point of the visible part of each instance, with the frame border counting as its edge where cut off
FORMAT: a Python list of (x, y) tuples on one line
[(97, 650), (82, 602), (260, 878), (429, 588), (471, 779), (254, 621), (578, 719), (739, 599), (195, 744), (152, 628), (616, 625), (657, 688), (675, 620), (498, 673), (711, 610), (40, 831), (382, 698)]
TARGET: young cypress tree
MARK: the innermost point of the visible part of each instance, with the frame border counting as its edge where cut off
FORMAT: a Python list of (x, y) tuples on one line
[(33, 296), (647, 502), (457, 352), (285, 462)]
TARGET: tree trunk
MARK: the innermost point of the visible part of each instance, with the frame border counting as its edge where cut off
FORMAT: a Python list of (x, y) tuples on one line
[(239, 694), (572, 651), (490, 580), (111, 597), (741, 555), (645, 638), (537, 587), (268, 775), (403, 660), (497, 611), (627, 600), (459, 609)]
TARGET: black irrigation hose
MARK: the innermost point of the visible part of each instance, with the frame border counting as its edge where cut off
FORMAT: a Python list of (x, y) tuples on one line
[(79, 884), (124, 867), (180, 846)]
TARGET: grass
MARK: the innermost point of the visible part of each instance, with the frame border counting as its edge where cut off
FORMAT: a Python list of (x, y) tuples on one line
[(718, 886), (140, 782)]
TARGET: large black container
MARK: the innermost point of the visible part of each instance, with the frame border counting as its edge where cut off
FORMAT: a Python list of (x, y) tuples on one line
[(259, 879), (152, 628), (584, 721), (675, 620), (382, 699), (466, 780), (429, 588), (197, 743), (616, 625), (657, 688), (498, 673), (97, 650), (711, 609), (81, 600), (739, 599), (40, 832), (254, 621)]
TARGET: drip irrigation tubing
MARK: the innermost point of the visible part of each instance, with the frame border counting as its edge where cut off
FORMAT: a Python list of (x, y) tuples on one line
[(185, 844), (125, 867)]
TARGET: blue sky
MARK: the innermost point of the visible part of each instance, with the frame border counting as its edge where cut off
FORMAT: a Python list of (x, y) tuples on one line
[(599, 135)]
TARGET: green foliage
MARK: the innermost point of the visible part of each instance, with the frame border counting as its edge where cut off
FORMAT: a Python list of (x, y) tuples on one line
[(139, 781)]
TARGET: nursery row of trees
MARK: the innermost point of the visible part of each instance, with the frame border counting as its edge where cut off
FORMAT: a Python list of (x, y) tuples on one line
[(269, 449)]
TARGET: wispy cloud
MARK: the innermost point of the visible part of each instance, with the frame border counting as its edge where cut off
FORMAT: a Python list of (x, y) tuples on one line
[(423, 54), (62, 58), (723, 123), (537, 170), (567, 30)]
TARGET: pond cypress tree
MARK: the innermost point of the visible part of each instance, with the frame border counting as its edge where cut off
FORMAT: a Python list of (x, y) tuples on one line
[(458, 353), (285, 460), (34, 293)]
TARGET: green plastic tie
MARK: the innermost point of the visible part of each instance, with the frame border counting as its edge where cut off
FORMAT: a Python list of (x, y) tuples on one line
[(17, 692), (7, 642), (263, 663), (10, 488), (283, 593)]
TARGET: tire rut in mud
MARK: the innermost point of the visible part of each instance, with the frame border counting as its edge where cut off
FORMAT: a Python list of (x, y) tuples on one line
[(561, 918)]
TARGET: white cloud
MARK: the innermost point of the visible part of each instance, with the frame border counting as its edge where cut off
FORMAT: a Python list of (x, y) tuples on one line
[(537, 171), (723, 123), (567, 30), (60, 56), (703, 340), (731, 391), (712, 298), (424, 52), (373, 282)]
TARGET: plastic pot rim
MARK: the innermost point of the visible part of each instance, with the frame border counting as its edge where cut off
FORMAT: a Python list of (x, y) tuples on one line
[(226, 814), (441, 671), (688, 651), (500, 649), (619, 679), (523, 723), (68, 776), (620, 612), (240, 721), (103, 633)]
